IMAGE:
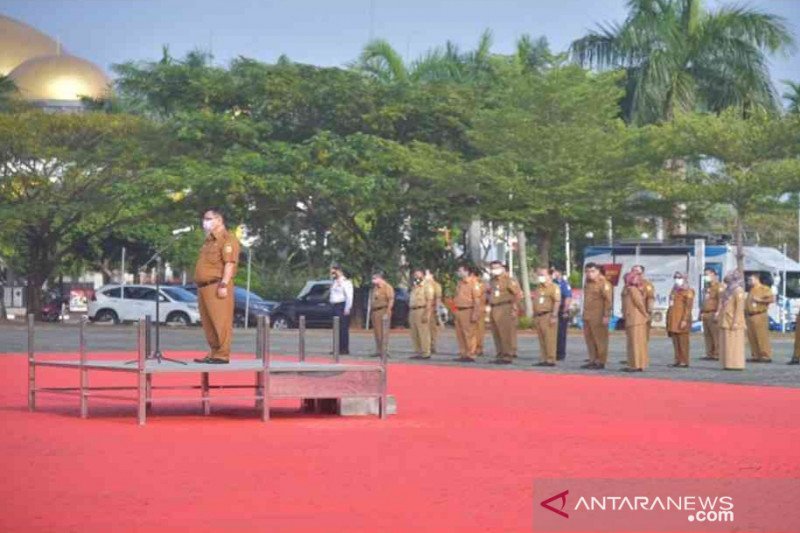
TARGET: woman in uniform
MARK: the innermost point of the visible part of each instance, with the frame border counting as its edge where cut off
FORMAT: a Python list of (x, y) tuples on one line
[(730, 317)]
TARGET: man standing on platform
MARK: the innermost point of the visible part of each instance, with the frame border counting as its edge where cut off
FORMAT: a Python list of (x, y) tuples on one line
[(711, 294), (420, 307), (504, 296), (216, 266), (467, 302), (381, 306), (596, 315), (341, 298), (563, 312), (435, 321), (546, 304)]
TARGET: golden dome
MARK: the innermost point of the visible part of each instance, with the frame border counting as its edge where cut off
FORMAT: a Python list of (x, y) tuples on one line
[(20, 42), (61, 77)]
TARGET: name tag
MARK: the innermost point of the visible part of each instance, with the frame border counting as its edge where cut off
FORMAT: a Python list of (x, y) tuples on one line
[(497, 293), (541, 300)]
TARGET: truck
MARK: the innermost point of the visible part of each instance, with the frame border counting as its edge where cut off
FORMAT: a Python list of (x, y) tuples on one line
[(661, 260)]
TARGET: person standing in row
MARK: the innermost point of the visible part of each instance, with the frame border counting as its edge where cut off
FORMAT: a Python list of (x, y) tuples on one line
[(758, 300), (381, 306), (634, 311), (467, 302), (596, 315), (483, 315), (679, 319), (435, 321), (730, 318), (504, 296), (420, 306), (711, 295), (563, 312), (649, 297), (341, 298), (213, 274), (546, 305), (795, 360)]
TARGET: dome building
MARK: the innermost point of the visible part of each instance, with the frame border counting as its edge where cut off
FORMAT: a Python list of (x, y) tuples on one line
[(43, 75)]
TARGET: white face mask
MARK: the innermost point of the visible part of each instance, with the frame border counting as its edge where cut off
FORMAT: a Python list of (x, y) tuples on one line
[(208, 225), (542, 279), (678, 282), (707, 278), (496, 271)]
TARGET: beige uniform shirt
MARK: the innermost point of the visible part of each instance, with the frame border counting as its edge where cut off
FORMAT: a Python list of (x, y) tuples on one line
[(219, 248), (596, 300)]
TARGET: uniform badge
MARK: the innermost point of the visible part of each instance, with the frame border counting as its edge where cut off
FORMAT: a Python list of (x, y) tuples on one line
[(228, 249)]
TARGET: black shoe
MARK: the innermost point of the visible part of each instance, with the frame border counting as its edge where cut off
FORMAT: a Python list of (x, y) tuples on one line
[(589, 365), (420, 357), (708, 358), (598, 366), (631, 369), (502, 362), (544, 363), (464, 360), (623, 362), (212, 361), (794, 361), (754, 360), (678, 365)]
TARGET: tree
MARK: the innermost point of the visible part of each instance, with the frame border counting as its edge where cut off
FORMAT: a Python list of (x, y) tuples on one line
[(682, 57), (555, 152), (747, 164), (793, 96), (68, 177)]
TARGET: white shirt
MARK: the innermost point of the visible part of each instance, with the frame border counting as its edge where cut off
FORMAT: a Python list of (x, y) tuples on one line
[(342, 291)]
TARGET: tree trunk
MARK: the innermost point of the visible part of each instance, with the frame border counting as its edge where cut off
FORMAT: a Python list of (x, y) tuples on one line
[(545, 243), (473, 244), (33, 291), (739, 238), (523, 271), (3, 312), (677, 224)]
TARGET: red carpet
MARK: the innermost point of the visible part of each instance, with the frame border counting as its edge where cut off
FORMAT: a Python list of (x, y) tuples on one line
[(461, 455)]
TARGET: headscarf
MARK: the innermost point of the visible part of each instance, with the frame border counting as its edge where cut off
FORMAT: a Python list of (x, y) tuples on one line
[(633, 279), (682, 276), (733, 280)]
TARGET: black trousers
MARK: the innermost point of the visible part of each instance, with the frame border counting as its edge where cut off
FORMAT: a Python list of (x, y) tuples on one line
[(561, 342), (344, 327)]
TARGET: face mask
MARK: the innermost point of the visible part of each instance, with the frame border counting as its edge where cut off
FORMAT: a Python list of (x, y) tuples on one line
[(333, 275), (496, 271), (707, 278), (678, 282), (208, 225), (542, 279), (417, 280), (462, 275)]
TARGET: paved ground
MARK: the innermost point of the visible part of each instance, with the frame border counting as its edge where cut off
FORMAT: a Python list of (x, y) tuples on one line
[(61, 338)]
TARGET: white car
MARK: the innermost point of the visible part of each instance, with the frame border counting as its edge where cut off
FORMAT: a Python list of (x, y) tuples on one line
[(121, 303)]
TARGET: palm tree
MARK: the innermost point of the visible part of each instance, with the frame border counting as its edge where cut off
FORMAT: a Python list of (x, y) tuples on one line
[(793, 95), (680, 56), (7, 90)]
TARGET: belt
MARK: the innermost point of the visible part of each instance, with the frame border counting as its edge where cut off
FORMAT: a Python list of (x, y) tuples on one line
[(207, 283), (500, 304), (419, 307), (756, 313), (543, 313), (708, 312), (379, 308), (465, 308)]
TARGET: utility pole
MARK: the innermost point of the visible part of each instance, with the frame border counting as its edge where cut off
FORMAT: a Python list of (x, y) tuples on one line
[(523, 272)]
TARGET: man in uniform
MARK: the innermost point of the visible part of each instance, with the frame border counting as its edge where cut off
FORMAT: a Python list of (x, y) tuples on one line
[(596, 315), (504, 296), (708, 313), (649, 296), (795, 360), (467, 302), (435, 321), (216, 266), (679, 319), (758, 300), (546, 305), (420, 305), (563, 312), (483, 316), (380, 306)]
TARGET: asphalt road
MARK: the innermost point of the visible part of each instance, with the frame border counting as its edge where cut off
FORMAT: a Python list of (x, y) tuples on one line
[(103, 338)]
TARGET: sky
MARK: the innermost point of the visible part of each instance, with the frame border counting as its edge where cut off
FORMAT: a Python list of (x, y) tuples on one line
[(327, 32)]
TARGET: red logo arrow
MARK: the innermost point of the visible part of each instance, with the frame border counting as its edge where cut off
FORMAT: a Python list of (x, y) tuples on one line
[(560, 496)]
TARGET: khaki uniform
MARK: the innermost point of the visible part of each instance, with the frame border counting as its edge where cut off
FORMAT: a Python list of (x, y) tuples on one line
[(483, 317), (708, 313), (420, 308), (504, 294), (679, 322), (634, 311), (649, 302), (381, 306), (546, 302), (216, 314), (731, 326), (796, 354), (758, 323), (468, 303), (596, 308), (434, 321)]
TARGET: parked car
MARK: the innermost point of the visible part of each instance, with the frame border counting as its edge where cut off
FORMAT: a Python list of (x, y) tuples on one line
[(258, 305), (313, 302), (122, 303)]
